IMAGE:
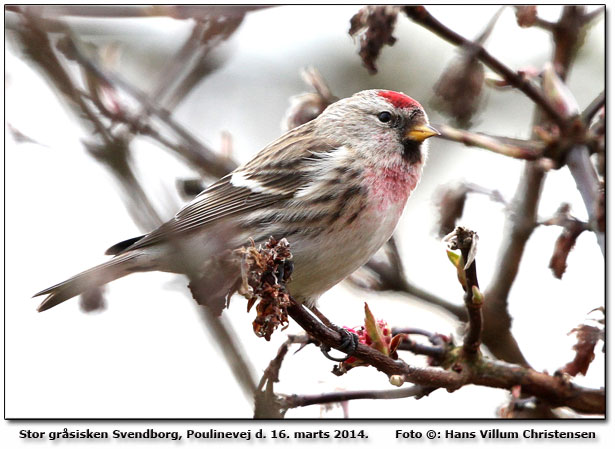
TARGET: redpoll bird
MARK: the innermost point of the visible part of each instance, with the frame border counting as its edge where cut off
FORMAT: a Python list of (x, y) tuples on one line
[(334, 187)]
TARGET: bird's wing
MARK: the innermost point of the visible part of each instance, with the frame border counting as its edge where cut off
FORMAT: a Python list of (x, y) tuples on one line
[(276, 174)]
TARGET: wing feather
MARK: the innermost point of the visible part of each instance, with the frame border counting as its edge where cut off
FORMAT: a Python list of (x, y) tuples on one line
[(280, 170)]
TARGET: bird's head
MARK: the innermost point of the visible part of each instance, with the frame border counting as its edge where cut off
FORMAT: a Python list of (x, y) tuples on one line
[(383, 126)]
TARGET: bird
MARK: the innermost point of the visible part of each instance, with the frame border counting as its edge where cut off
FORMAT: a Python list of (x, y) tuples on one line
[(334, 187)]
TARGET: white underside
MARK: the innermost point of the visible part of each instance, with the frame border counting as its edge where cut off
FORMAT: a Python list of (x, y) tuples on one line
[(319, 262), (324, 261)]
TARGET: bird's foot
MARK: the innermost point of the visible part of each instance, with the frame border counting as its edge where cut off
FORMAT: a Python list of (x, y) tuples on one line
[(349, 344)]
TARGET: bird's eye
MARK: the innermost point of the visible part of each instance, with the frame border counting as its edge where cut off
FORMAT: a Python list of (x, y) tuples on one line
[(385, 117)]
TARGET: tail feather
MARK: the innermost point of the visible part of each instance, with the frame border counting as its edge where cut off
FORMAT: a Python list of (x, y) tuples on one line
[(101, 274), (121, 246)]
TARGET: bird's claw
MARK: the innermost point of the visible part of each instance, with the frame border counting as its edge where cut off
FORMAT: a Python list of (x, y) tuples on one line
[(349, 344)]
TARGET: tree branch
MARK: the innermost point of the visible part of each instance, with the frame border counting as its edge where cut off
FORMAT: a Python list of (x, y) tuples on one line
[(190, 148), (294, 401), (487, 373), (586, 180), (106, 147), (544, 24), (226, 341), (421, 16), (522, 217), (593, 15), (593, 108), (391, 276), (437, 353), (466, 240), (520, 223), (199, 12), (515, 148)]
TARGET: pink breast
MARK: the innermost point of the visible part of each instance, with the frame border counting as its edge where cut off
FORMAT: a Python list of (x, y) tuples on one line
[(391, 186)]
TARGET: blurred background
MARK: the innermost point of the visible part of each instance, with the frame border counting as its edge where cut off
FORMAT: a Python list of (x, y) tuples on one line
[(148, 354)]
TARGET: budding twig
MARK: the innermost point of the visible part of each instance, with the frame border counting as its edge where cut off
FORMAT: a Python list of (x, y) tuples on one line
[(466, 240)]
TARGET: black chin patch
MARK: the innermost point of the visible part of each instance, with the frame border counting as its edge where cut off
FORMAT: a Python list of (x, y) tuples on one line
[(412, 151)]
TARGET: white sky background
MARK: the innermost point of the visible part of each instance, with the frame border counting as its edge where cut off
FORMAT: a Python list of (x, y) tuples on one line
[(148, 354)]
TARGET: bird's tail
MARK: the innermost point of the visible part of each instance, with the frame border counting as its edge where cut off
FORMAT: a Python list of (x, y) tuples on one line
[(115, 268)]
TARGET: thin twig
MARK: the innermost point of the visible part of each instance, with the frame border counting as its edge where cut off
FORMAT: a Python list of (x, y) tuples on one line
[(590, 16), (140, 11), (544, 24), (391, 277), (294, 401), (433, 337), (272, 372), (420, 15), (435, 352), (191, 148), (520, 149), (429, 298), (225, 339), (440, 344), (403, 285), (593, 108), (106, 147), (271, 375)]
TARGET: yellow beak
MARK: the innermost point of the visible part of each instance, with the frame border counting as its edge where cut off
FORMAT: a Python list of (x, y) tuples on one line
[(421, 132)]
